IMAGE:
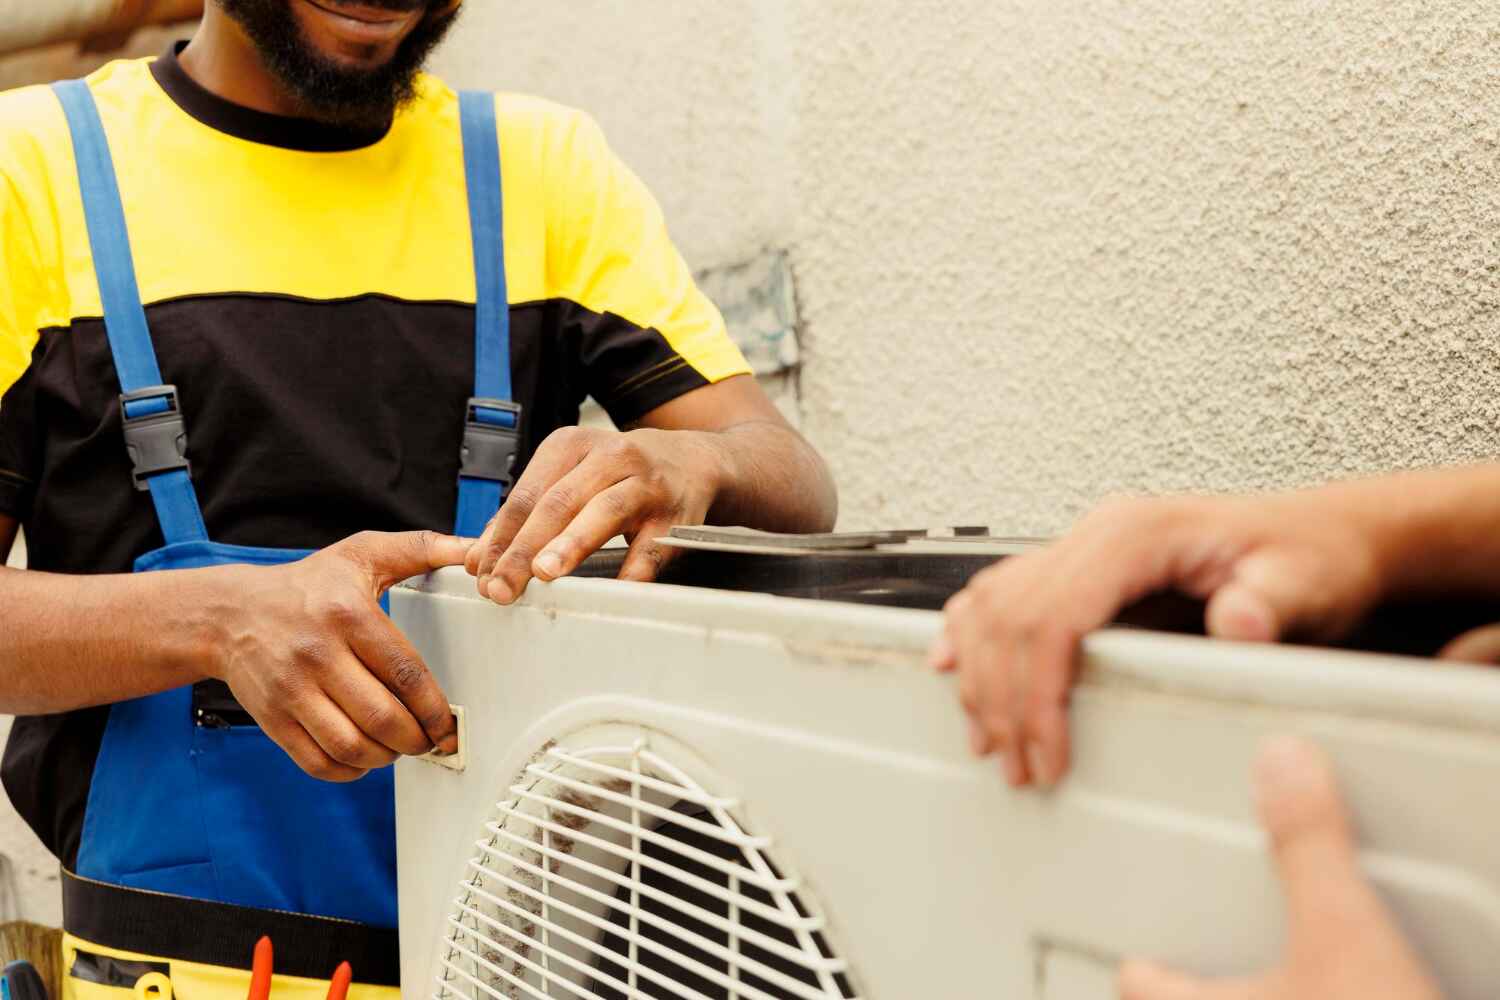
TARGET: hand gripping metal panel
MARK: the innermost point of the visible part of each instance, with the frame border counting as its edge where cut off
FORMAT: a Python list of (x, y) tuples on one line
[(686, 793)]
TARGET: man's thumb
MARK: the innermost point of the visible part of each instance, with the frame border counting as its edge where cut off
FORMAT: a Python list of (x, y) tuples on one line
[(1268, 597), (1482, 645), (393, 557), (1241, 613), (1145, 981), (1312, 840)]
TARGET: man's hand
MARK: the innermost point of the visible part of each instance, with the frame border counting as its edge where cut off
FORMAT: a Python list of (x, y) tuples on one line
[(1301, 564), (309, 653), (584, 487), (1342, 942), (721, 453)]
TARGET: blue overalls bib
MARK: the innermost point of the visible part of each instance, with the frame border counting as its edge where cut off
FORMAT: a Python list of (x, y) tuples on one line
[(193, 801)]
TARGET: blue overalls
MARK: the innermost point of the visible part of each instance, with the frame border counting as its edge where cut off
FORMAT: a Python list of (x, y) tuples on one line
[(183, 802)]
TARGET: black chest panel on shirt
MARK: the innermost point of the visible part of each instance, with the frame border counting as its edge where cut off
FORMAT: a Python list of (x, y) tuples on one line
[(307, 421)]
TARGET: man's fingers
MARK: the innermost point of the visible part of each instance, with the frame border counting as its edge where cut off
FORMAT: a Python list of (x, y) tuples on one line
[(1241, 613), (1311, 837), (558, 455), (1482, 645), (294, 739), (1040, 607), (1339, 929), (390, 557), (615, 511), (646, 559), (1004, 703), (480, 546), (1275, 593), (375, 710), (942, 657), (979, 740), (340, 738), (1044, 725), (1146, 981), (594, 487), (390, 658), (974, 629), (986, 682)]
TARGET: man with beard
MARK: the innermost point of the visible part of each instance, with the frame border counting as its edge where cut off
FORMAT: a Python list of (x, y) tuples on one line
[(260, 294)]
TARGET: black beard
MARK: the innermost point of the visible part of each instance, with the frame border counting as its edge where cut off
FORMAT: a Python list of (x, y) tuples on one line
[(327, 90)]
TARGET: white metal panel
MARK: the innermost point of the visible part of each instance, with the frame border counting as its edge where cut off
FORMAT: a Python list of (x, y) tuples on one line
[(821, 723)]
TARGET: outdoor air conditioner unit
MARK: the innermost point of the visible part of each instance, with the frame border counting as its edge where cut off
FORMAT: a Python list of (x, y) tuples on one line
[(676, 791)]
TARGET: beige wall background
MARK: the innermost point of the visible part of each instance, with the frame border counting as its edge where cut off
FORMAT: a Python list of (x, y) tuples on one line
[(29, 884), (1049, 251)]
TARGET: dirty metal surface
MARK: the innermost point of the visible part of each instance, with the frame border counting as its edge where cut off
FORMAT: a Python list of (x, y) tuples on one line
[(882, 570)]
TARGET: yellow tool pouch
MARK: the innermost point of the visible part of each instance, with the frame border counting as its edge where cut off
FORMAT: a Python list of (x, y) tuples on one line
[(126, 944), (94, 972)]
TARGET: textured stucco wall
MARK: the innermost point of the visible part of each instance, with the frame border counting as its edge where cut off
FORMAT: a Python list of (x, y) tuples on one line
[(31, 871), (1049, 251)]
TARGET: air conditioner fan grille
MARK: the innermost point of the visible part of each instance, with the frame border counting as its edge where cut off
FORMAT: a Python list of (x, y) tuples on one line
[(609, 874)]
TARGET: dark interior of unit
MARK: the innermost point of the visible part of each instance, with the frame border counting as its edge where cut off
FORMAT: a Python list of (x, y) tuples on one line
[(683, 975), (925, 580)]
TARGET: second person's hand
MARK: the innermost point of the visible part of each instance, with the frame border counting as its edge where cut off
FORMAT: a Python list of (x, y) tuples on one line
[(1343, 942), (585, 486), (1300, 564)]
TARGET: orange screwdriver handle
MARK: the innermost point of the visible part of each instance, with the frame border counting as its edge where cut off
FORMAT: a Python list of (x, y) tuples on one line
[(260, 971), (338, 989)]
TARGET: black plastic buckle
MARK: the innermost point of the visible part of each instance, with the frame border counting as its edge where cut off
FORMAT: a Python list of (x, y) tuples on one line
[(156, 442), (490, 451)]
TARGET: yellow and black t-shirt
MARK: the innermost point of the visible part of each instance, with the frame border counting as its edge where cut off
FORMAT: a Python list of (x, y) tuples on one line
[(310, 292)]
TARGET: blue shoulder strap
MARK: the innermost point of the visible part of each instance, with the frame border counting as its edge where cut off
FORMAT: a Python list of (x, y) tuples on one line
[(154, 428), (493, 422)]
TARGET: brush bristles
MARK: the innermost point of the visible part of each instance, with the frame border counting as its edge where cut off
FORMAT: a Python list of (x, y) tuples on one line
[(41, 946)]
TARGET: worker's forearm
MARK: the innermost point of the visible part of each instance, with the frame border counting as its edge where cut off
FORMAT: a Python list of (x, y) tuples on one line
[(774, 480), (1435, 533), (69, 642)]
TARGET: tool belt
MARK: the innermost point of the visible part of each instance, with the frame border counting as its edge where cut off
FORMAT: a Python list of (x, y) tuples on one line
[(219, 934)]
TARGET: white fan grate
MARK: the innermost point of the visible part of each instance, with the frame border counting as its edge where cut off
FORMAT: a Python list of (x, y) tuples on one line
[(611, 875)]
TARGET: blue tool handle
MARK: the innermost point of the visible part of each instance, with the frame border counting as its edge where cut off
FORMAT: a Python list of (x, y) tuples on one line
[(21, 981)]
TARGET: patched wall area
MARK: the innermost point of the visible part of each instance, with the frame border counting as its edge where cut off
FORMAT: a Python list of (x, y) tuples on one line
[(1046, 252)]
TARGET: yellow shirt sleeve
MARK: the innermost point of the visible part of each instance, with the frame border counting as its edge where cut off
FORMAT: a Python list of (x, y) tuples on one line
[(608, 251), (21, 286), (32, 137), (21, 290)]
